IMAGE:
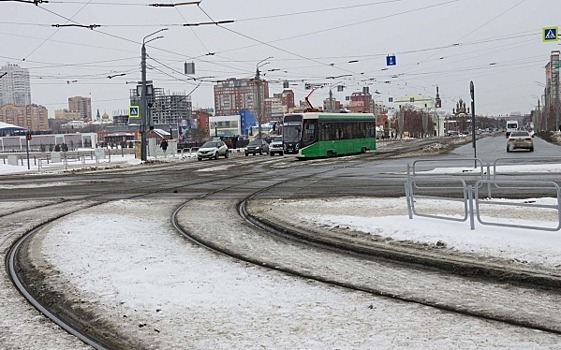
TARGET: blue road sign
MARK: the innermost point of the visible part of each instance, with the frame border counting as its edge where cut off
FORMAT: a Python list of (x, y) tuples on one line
[(134, 112), (390, 60), (550, 34)]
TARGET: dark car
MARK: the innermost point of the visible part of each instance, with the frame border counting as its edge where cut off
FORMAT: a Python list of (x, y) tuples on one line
[(257, 146)]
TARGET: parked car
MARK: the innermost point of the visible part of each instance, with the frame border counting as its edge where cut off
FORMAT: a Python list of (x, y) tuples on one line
[(276, 146), (213, 149), (519, 140), (256, 146)]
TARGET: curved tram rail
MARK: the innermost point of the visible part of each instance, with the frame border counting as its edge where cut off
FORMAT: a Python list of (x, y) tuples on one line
[(267, 230)]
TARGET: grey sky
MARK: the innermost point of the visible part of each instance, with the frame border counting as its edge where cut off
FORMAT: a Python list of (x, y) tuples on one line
[(500, 49)]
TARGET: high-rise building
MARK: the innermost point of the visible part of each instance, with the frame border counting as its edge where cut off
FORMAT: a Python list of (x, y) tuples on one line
[(15, 87), (552, 92), (233, 95), (164, 108), (31, 116), (80, 104), (278, 105)]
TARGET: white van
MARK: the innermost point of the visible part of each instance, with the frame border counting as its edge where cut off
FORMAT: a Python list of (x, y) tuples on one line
[(511, 125)]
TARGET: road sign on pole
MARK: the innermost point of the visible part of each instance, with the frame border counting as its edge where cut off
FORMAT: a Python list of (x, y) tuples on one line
[(390, 60), (134, 112), (550, 34)]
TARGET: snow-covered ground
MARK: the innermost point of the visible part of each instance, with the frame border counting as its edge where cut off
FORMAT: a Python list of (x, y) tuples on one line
[(130, 264)]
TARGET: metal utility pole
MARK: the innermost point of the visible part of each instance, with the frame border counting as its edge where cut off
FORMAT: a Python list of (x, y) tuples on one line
[(539, 126), (258, 85), (557, 99), (547, 107), (143, 93), (472, 93)]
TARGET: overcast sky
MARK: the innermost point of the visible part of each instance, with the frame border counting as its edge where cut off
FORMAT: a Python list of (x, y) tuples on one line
[(500, 48)]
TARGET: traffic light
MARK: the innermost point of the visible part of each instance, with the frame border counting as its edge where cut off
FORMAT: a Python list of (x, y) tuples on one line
[(28, 136)]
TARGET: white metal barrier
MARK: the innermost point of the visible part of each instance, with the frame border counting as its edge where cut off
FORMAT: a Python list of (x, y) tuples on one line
[(469, 194)]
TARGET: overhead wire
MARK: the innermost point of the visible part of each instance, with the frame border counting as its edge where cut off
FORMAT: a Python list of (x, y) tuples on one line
[(479, 27), (318, 11), (54, 33), (304, 58), (340, 26), (236, 68)]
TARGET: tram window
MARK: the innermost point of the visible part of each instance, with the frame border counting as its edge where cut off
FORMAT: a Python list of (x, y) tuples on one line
[(309, 135), (323, 132), (333, 132)]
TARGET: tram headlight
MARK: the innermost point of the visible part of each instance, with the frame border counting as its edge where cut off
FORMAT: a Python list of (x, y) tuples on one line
[(296, 147)]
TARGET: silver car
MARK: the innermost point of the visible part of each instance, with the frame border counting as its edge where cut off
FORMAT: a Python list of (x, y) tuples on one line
[(213, 149), (276, 146), (520, 140)]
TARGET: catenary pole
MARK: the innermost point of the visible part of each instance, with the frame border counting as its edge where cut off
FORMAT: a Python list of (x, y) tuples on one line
[(472, 93), (143, 95)]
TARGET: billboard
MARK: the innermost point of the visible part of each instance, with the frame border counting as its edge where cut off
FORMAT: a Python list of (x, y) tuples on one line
[(247, 120)]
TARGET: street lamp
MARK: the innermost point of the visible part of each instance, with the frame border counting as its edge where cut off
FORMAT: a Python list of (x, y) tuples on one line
[(143, 99), (258, 84)]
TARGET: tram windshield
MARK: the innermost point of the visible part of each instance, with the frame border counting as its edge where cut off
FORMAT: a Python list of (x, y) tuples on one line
[(292, 128), (291, 133)]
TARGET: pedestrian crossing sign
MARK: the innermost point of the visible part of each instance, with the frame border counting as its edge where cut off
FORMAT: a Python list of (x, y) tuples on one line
[(134, 112), (550, 34)]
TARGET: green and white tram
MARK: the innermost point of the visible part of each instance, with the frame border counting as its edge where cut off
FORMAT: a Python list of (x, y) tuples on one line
[(318, 135)]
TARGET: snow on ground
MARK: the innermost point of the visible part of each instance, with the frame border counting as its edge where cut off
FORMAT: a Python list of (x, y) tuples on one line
[(89, 162), (388, 218), (132, 265)]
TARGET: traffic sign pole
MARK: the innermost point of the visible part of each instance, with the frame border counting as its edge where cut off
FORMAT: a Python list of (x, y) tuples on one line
[(472, 93), (27, 138)]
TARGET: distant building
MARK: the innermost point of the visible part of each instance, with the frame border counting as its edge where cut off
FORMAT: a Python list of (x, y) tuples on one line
[(233, 95), (82, 105), (10, 129), (105, 119), (278, 105), (164, 108), (31, 116), (68, 115), (224, 126), (415, 100), (120, 119), (360, 102), (332, 104), (15, 87)]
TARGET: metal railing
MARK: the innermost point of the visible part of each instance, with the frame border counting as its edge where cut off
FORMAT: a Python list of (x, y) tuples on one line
[(468, 191)]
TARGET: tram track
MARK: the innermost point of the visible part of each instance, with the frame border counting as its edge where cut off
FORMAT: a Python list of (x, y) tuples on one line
[(64, 315), (414, 261), (29, 281), (245, 193)]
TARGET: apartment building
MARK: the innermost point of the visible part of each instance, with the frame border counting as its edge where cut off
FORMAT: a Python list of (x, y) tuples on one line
[(15, 87)]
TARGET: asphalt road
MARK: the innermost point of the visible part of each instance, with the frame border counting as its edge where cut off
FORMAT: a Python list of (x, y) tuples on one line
[(381, 173)]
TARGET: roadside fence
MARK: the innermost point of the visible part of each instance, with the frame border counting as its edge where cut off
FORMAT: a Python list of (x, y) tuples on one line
[(480, 186)]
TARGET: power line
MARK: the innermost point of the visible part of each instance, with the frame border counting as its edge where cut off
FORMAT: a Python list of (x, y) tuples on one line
[(46, 40), (343, 26), (476, 29), (317, 11)]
